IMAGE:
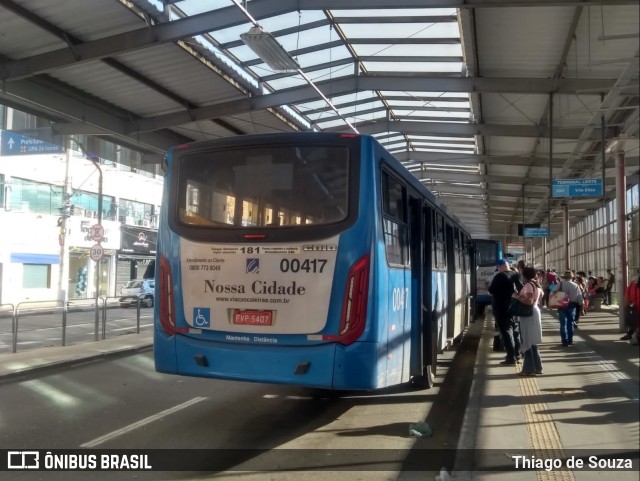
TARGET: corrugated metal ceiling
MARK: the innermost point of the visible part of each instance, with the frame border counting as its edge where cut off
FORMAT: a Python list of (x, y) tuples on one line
[(460, 92)]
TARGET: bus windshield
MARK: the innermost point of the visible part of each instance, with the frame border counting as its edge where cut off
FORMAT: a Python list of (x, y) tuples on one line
[(272, 186)]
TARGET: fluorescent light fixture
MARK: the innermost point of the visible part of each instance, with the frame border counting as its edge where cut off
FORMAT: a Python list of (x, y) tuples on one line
[(269, 50)]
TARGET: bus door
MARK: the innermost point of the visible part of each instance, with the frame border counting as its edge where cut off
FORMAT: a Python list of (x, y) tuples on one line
[(473, 271), (422, 359), (452, 292)]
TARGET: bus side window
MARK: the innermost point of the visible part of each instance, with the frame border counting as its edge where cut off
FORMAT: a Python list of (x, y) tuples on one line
[(394, 221), (456, 249), (439, 241)]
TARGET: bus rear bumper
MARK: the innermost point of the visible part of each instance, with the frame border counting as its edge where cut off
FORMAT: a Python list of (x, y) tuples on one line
[(319, 366), (484, 299)]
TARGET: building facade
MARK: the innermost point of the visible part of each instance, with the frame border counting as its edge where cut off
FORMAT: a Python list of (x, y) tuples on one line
[(49, 196)]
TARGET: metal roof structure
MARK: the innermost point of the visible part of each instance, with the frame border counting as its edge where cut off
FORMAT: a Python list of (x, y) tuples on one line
[(485, 101)]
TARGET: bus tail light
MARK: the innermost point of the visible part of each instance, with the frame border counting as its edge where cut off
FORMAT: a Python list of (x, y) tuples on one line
[(167, 304), (354, 305)]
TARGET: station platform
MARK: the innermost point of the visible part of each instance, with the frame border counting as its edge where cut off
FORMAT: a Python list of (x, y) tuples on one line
[(584, 404)]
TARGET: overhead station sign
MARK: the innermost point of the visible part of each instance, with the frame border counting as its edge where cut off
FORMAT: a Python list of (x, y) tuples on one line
[(536, 232), (576, 188), (18, 144)]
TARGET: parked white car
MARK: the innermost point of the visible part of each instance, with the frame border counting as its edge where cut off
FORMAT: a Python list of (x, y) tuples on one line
[(138, 289)]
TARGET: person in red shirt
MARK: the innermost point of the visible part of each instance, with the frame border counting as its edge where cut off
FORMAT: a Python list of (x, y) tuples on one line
[(632, 307)]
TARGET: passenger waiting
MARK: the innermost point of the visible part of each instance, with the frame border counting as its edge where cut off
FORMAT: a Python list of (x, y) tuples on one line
[(503, 285), (530, 326), (582, 309), (632, 309), (611, 281), (567, 315)]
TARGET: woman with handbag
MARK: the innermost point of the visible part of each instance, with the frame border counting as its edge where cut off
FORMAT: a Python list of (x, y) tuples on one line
[(530, 326)]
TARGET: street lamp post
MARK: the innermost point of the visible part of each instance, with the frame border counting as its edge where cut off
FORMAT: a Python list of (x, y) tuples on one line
[(96, 162)]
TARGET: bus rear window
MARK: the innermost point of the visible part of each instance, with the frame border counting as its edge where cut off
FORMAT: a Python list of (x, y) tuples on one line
[(486, 253), (274, 186)]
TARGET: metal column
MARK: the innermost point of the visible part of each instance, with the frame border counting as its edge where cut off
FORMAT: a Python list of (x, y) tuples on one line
[(621, 227), (565, 233)]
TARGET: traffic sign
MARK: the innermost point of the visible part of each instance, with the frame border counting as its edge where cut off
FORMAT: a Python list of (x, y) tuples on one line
[(97, 233), (96, 252), (576, 188)]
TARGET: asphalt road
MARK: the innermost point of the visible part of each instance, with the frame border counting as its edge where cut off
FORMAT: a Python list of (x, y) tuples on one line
[(124, 404)]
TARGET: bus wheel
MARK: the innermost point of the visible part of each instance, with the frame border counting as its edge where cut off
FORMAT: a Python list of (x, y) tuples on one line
[(427, 380)]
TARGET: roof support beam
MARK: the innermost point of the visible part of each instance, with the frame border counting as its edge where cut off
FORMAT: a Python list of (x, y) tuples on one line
[(497, 160), (443, 189), (70, 106), (449, 176), (467, 129), (404, 41), (409, 58), (300, 51), (471, 159), (397, 19), (385, 4), (311, 68), (502, 180), (148, 36), (511, 193), (352, 84), (144, 37)]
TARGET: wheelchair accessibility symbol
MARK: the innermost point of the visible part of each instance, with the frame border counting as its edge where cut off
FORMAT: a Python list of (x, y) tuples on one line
[(201, 317)]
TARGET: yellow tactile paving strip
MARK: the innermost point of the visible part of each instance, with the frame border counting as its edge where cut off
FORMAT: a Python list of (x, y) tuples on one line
[(543, 435)]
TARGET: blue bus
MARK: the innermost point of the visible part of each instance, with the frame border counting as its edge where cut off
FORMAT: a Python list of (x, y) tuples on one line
[(310, 259), (487, 253)]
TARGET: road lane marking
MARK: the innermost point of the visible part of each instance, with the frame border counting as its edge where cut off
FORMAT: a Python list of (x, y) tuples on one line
[(142, 422), (131, 327)]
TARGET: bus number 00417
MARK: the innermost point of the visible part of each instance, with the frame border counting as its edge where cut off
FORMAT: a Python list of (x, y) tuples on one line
[(307, 265)]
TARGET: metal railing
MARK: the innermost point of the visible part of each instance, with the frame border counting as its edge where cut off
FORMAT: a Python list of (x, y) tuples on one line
[(6, 308), (99, 306), (116, 303)]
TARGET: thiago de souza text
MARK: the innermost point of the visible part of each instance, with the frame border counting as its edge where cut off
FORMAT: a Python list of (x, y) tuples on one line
[(573, 462)]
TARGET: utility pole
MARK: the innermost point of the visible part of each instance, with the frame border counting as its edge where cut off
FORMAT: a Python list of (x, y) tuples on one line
[(63, 277)]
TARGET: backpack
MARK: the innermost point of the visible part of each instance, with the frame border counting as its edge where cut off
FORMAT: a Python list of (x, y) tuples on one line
[(552, 278)]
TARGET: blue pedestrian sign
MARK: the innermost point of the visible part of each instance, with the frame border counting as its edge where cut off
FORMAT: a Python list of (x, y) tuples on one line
[(14, 143), (576, 188), (536, 232)]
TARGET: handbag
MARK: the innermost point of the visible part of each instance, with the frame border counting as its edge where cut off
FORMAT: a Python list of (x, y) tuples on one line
[(559, 300), (518, 308)]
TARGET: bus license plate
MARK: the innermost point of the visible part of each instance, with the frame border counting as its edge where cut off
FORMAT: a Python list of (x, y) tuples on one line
[(252, 318)]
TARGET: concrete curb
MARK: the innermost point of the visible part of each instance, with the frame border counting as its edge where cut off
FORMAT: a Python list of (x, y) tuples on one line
[(38, 361)]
